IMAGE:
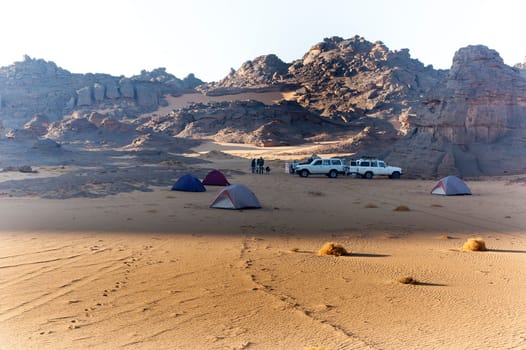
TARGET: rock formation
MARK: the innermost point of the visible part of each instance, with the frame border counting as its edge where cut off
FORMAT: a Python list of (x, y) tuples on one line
[(469, 120), (264, 73), (472, 123), (249, 122), (35, 86)]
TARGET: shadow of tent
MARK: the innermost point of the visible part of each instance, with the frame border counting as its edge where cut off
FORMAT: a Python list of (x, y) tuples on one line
[(507, 251)]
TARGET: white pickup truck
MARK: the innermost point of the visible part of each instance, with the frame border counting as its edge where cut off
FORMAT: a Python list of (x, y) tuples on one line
[(373, 167), (322, 166)]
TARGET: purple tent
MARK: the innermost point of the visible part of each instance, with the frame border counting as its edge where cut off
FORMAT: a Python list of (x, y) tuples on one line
[(215, 178)]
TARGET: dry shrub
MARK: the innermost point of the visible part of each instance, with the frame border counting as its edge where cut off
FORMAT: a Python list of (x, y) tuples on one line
[(474, 245), (402, 208), (294, 250), (316, 193), (331, 248), (371, 206), (407, 280), (436, 205)]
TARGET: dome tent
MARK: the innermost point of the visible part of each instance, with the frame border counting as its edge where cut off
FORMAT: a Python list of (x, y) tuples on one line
[(188, 183), (451, 186), (235, 197), (215, 178)]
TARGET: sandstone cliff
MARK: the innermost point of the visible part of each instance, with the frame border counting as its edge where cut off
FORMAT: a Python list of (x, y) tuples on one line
[(473, 123), (35, 86)]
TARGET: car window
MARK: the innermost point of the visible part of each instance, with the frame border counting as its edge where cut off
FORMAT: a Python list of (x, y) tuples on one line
[(326, 162), (373, 163), (364, 164), (381, 164), (318, 162), (336, 162), (353, 163)]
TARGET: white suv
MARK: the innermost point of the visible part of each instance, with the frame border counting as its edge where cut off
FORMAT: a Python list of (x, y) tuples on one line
[(322, 166), (372, 167)]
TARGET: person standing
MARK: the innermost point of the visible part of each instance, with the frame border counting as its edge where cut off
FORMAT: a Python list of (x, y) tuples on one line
[(253, 165), (261, 163)]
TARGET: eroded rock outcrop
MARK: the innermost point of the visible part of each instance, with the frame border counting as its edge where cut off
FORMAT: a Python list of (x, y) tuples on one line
[(260, 74), (473, 121), (249, 122), (35, 86)]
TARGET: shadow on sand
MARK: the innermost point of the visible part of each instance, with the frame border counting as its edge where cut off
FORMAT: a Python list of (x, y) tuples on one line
[(367, 255), (507, 251), (428, 284)]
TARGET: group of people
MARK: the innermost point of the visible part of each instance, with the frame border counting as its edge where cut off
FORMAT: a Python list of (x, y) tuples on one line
[(258, 166)]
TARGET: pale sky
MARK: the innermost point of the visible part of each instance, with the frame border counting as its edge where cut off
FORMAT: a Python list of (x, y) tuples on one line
[(208, 37)]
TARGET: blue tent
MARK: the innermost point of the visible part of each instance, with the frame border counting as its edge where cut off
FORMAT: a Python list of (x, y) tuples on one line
[(188, 183)]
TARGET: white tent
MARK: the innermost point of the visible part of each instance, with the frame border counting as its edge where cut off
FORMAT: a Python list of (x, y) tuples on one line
[(451, 186), (235, 197)]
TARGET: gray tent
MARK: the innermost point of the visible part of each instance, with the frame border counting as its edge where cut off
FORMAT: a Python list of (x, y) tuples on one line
[(451, 186), (235, 197)]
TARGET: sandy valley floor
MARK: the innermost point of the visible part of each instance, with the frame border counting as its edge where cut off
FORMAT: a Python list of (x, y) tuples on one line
[(161, 270)]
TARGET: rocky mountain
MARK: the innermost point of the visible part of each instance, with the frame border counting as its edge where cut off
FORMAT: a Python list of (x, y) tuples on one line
[(469, 120), (37, 87), (264, 73)]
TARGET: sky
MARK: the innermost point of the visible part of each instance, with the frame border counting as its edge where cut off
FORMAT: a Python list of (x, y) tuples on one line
[(208, 37)]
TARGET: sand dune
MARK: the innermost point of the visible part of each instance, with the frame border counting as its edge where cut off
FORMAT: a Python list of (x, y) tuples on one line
[(161, 270), (176, 102)]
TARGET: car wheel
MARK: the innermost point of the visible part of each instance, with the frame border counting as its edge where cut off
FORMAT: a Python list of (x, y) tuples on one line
[(304, 173), (368, 175), (333, 174), (395, 175)]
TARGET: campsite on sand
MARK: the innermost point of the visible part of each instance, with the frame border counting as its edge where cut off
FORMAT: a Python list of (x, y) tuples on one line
[(163, 270)]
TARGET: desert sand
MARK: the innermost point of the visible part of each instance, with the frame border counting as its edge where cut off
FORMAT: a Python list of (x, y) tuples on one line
[(162, 270)]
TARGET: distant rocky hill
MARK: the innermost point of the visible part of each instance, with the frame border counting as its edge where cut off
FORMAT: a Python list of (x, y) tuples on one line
[(469, 120), (35, 86)]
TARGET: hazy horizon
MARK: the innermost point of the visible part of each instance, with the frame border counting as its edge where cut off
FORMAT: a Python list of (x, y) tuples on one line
[(208, 38)]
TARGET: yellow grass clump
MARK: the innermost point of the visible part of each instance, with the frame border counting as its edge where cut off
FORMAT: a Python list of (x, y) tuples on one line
[(402, 208), (407, 280), (331, 248), (474, 245)]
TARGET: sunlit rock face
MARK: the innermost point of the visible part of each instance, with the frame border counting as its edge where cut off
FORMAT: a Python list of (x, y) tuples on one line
[(472, 123)]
